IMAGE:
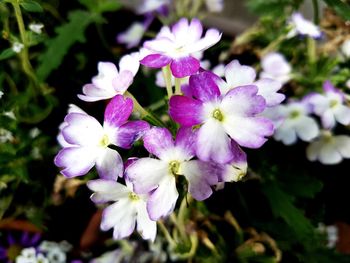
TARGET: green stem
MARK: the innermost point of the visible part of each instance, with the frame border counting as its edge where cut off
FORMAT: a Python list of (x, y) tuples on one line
[(316, 11), (177, 86), (167, 79), (311, 50), (166, 233), (181, 217), (272, 46)]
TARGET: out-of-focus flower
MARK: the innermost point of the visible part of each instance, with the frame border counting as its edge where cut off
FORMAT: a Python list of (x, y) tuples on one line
[(132, 36), (17, 47), (345, 48), (347, 83), (36, 27), (109, 82), (10, 114), (1, 94), (275, 66), (303, 27), (222, 118), (214, 6), (5, 135), (296, 123), (55, 252), (89, 140), (328, 148), (146, 6), (127, 210), (29, 255), (177, 45)]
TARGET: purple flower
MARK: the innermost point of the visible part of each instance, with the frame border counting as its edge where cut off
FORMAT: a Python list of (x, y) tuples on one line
[(222, 119), (177, 45), (158, 176), (127, 210), (109, 82), (89, 140)]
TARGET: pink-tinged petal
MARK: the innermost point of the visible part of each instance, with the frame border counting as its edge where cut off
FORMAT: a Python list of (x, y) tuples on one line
[(243, 101), (237, 168), (186, 90), (129, 162), (307, 128), (181, 30), (158, 141), (155, 61), (118, 111), (212, 36), (145, 226), (130, 132), (275, 64), (248, 132), (159, 45), (76, 161), (200, 176), (93, 93), (204, 87), (186, 139), (109, 164), (82, 129), (129, 63), (213, 144), (184, 66), (268, 89), (106, 72), (122, 82), (107, 190), (319, 103), (342, 114), (146, 173), (328, 120), (195, 30), (239, 75), (185, 110), (121, 216), (162, 201)]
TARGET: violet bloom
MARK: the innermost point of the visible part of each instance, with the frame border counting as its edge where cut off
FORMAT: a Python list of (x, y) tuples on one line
[(330, 106), (132, 36), (158, 176), (127, 210), (177, 45), (89, 140), (237, 75), (303, 27), (221, 118), (275, 66), (110, 82)]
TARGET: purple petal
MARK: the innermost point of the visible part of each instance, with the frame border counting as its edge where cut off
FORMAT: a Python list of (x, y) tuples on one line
[(109, 164), (155, 61), (35, 239), (329, 88), (185, 66), (118, 111), (122, 82), (186, 111), (186, 140), (204, 87), (130, 132), (94, 93), (186, 90), (158, 141), (76, 161)]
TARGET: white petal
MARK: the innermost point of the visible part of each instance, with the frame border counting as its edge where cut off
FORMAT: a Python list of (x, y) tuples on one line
[(329, 154), (306, 128), (239, 75), (343, 145), (286, 133), (342, 114), (145, 226), (130, 63), (107, 190), (109, 164)]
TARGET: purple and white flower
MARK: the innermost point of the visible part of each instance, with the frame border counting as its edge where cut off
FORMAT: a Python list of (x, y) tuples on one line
[(177, 45), (301, 26), (110, 82), (222, 119), (328, 148), (275, 66), (127, 210), (88, 140), (237, 75), (158, 176), (133, 35), (296, 123), (330, 106)]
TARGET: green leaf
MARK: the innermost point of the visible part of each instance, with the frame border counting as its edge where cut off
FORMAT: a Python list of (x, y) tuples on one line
[(67, 35), (101, 5), (7, 53), (340, 7), (31, 6)]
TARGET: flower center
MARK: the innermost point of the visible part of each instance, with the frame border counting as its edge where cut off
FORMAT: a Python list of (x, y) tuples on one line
[(13, 251), (333, 103), (133, 196), (104, 141), (294, 114), (217, 114), (174, 167)]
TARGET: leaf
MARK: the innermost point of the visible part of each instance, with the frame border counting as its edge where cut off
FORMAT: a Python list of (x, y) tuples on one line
[(31, 6), (7, 53), (67, 35), (302, 186), (340, 7), (102, 5)]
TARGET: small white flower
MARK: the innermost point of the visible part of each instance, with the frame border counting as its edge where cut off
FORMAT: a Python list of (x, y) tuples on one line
[(303, 27), (33, 133), (345, 48), (5, 135), (9, 114), (35, 153), (275, 66), (215, 6), (132, 36), (1, 94), (17, 47), (36, 27)]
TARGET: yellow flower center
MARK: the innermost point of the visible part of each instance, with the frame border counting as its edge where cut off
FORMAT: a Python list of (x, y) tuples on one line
[(217, 114), (133, 196), (333, 103), (294, 114), (104, 141), (174, 167)]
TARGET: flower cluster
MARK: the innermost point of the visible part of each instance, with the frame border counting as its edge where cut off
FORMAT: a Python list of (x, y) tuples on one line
[(215, 118)]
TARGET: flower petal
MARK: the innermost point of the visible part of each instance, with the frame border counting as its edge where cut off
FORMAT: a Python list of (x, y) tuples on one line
[(129, 63), (185, 110), (268, 89), (107, 190), (76, 161), (186, 140), (213, 144), (184, 66), (211, 37), (343, 145), (145, 226), (239, 75), (109, 164), (93, 93), (158, 141), (162, 201), (342, 114), (329, 154), (130, 132), (122, 82), (204, 86), (307, 128), (156, 61), (237, 168), (118, 111)]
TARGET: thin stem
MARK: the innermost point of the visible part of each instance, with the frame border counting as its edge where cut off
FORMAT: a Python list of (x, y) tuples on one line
[(272, 46), (177, 86), (181, 217), (167, 79), (311, 50), (316, 11), (166, 234)]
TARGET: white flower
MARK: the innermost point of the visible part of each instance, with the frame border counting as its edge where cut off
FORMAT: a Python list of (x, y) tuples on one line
[(36, 27), (345, 48), (5, 135), (328, 148), (29, 255), (17, 47), (33, 133), (10, 114), (303, 27), (214, 6), (1, 94), (275, 66)]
